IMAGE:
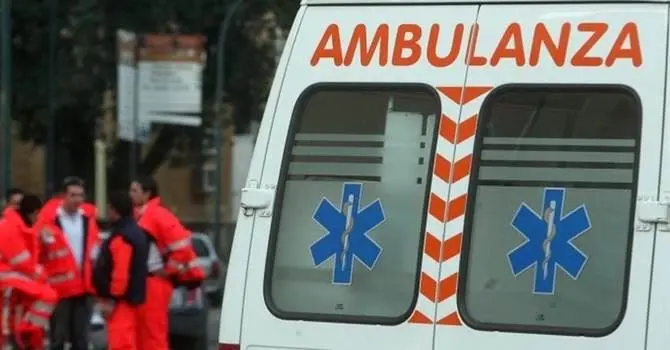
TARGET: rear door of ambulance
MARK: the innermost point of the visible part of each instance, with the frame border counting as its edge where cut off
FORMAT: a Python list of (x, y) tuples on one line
[(340, 262), (556, 252)]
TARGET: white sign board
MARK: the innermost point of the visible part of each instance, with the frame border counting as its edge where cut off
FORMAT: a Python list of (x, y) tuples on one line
[(170, 79)]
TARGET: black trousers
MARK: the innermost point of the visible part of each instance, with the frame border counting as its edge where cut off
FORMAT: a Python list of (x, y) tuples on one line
[(71, 322)]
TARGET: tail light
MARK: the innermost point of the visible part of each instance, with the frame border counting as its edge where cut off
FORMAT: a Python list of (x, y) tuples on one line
[(191, 297), (229, 346), (216, 270)]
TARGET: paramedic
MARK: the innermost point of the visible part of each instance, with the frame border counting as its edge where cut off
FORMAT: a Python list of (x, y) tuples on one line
[(176, 262), (120, 274), (69, 238), (24, 278)]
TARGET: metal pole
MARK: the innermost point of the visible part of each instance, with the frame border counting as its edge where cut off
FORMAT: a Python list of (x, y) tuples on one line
[(134, 149), (50, 168), (6, 82), (218, 112)]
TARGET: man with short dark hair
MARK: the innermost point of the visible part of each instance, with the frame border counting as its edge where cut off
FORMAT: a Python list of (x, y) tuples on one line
[(120, 274), (70, 238)]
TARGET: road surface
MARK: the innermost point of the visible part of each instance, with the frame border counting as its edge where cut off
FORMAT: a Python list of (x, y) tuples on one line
[(213, 328)]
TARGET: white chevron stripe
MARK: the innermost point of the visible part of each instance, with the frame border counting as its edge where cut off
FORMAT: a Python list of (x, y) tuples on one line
[(425, 306), (439, 187)]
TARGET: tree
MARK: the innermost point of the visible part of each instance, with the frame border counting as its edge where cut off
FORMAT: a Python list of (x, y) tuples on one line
[(86, 68)]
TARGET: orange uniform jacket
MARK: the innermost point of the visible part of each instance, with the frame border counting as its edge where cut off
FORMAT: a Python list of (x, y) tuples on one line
[(172, 240), (26, 312), (15, 254), (122, 254), (59, 264)]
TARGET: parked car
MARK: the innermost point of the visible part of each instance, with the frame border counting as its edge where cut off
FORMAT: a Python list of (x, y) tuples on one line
[(212, 264), (188, 318)]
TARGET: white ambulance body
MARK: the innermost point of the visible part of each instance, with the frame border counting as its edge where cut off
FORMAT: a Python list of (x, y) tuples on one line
[(459, 175)]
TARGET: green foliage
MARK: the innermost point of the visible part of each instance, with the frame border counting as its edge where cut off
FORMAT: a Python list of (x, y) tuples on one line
[(86, 61)]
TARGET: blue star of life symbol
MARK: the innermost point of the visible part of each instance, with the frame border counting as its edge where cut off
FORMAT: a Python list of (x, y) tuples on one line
[(347, 233), (548, 244)]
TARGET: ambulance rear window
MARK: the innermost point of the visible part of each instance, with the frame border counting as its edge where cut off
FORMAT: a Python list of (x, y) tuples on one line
[(351, 204), (549, 223)]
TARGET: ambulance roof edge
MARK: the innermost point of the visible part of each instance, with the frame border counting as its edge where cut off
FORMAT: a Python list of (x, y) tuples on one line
[(447, 2)]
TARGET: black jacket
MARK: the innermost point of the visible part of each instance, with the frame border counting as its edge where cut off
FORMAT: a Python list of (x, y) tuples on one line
[(128, 230)]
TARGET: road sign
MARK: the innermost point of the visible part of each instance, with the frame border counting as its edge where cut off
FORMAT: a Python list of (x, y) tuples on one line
[(170, 78), (549, 235), (347, 237)]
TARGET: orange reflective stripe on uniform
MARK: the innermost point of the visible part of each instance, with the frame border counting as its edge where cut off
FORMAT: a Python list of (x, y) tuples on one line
[(61, 278), (181, 244), (61, 253), (20, 258)]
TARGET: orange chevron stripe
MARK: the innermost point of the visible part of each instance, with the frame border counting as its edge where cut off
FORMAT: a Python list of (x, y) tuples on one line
[(432, 247), (428, 286), (462, 95), (448, 129), (461, 168), (452, 247), (458, 132), (447, 287), (442, 251), (466, 129), (445, 169), (456, 207), (437, 291), (418, 317), (442, 168), (450, 320), (436, 207)]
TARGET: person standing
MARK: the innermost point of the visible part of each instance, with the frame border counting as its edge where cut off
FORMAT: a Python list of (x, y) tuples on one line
[(22, 280), (171, 241), (70, 239), (120, 274)]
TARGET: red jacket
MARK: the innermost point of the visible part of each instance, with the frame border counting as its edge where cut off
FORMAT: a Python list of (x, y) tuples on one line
[(173, 241), (59, 262), (15, 254), (122, 254)]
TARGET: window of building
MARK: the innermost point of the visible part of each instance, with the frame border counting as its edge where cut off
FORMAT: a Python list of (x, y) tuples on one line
[(549, 225), (351, 204)]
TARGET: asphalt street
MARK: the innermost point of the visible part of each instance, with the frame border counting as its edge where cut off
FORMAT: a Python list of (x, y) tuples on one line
[(213, 328)]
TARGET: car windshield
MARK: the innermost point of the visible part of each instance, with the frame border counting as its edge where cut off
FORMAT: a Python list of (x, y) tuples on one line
[(200, 247)]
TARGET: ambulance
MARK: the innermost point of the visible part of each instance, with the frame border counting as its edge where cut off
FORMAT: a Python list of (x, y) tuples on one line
[(462, 174)]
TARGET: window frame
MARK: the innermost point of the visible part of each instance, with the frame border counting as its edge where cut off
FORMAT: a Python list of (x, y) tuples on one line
[(485, 115), (297, 116)]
